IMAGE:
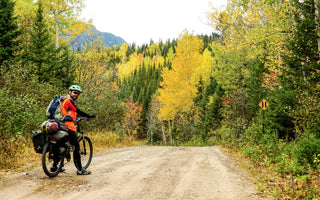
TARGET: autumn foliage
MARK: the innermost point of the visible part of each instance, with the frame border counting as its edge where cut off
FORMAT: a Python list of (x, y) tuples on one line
[(192, 90), (132, 116)]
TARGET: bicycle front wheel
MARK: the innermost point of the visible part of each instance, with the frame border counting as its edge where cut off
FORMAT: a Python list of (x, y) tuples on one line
[(86, 151), (48, 155)]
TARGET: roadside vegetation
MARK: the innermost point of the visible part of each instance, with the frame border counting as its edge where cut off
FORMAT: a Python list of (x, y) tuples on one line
[(191, 91)]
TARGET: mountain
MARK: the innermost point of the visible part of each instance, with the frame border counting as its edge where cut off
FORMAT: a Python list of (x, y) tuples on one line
[(108, 39)]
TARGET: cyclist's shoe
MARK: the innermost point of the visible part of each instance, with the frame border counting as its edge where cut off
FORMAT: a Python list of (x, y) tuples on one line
[(83, 172), (54, 168)]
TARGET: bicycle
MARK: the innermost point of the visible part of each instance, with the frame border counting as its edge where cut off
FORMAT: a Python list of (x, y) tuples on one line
[(58, 144)]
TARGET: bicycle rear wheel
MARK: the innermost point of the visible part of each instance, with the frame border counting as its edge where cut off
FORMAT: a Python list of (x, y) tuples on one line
[(47, 160), (86, 151)]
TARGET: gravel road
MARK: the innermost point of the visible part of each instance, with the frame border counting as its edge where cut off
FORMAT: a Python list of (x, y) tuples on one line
[(146, 172)]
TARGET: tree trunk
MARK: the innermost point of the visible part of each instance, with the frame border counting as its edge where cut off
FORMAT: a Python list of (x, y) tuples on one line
[(151, 137), (317, 19), (170, 132), (57, 35), (163, 133)]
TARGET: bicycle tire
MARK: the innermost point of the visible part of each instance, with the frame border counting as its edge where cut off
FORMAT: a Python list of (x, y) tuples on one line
[(47, 160), (86, 151)]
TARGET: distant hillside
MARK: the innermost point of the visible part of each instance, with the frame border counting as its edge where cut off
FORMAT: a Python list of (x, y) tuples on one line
[(108, 39)]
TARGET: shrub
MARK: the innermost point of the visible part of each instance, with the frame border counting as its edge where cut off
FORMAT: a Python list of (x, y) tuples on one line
[(18, 114), (307, 151)]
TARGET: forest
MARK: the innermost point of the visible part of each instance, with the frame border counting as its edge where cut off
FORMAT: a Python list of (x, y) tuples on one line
[(195, 90)]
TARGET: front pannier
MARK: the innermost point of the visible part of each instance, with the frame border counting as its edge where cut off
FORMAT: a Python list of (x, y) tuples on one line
[(38, 139)]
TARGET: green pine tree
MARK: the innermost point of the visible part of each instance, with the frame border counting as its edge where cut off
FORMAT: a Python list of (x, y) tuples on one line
[(42, 52), (50, 64), (9, 31), (64, 72), (211, 115)]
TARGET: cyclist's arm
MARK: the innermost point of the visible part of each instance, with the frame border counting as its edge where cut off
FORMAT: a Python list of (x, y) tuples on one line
[(83, 114), (71, 105)]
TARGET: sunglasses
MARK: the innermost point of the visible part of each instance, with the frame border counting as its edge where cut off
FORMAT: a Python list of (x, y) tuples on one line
[(77, 93)]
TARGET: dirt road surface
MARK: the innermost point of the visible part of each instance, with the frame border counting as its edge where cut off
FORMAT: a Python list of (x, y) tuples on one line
[(164, 173)]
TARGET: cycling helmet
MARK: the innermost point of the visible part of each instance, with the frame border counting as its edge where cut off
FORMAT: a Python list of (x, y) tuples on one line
[(75, 87)]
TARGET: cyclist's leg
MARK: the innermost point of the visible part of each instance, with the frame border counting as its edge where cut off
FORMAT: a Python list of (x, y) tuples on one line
[(76, 153), (56, 160)]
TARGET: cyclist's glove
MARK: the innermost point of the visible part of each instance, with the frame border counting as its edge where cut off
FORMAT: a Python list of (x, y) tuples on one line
[(92, 116)]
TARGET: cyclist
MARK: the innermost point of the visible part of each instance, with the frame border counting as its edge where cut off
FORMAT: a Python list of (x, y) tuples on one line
[(70, 111)]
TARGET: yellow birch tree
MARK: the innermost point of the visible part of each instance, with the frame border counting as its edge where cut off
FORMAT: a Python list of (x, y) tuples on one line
[(178, 88), (64, 17)]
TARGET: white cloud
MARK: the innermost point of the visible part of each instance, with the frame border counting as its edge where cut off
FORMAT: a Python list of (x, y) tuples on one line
[(141, 20)]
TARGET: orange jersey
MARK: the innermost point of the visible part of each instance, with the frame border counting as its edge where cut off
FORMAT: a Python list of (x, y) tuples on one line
[(69, 109)]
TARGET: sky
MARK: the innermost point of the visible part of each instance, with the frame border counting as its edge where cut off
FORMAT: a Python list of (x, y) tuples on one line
[(139, 21)]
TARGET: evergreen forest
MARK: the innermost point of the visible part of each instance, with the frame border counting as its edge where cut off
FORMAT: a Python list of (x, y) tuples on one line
[(195, 90)]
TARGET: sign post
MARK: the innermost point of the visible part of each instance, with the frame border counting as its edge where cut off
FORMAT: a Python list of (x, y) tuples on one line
[(264, 105)]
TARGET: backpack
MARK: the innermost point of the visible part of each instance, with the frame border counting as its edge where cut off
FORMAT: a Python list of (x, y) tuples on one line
[(54, 110)]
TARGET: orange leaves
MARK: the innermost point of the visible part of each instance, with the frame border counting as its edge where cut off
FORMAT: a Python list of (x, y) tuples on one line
[(225, 101), (132, 116), (140, 57), (269, 80), (115, 87)]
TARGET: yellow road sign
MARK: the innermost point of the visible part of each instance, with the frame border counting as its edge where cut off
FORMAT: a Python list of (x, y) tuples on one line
[(264, 104)]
